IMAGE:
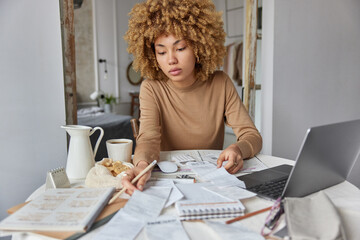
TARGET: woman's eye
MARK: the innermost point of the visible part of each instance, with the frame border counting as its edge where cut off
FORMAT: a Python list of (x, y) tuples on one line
[(161, 53), (181, 49)]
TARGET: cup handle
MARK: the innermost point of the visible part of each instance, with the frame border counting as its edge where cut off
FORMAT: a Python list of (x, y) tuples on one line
[(99, 138)]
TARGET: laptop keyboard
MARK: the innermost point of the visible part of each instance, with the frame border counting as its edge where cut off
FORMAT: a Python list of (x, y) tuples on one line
[(271, 189)]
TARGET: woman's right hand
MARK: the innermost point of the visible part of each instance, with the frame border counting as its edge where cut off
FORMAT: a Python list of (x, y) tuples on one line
[(131, 174)]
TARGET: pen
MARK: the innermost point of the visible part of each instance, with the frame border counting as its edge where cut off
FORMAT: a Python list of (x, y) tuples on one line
[(248, 215), (133, 181)]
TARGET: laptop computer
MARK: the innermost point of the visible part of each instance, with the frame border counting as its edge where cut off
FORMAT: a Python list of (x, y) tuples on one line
[(326, 157)]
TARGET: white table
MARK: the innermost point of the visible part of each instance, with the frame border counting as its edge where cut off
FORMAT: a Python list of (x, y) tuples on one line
[(199, 230)]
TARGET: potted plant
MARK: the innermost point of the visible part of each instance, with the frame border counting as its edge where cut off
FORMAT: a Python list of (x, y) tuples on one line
[(109, 100)]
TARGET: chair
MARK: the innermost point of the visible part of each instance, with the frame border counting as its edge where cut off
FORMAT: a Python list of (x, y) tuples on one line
[(134, 103), (135, 127)]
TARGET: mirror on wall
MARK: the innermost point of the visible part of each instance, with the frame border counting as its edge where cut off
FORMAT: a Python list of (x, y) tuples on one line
[(133, 77)]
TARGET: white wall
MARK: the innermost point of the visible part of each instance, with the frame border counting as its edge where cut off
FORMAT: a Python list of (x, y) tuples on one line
[(316, 74), (123, 9), (267, 55), (32, 97)]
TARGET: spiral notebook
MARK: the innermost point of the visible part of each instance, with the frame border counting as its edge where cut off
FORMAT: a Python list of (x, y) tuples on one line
[(200, 203), (192, 210)]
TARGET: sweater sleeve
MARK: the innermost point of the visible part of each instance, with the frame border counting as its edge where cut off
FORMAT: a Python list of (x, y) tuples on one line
[(236, 116), (148, 140)]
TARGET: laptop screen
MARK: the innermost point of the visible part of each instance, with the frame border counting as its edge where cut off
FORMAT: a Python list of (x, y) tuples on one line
[(327, 156)]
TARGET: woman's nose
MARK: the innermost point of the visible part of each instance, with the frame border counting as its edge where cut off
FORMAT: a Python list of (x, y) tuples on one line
[(172, 59)]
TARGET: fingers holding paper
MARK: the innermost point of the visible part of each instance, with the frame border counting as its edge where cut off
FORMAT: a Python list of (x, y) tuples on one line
[(232, 155), (131, 174)]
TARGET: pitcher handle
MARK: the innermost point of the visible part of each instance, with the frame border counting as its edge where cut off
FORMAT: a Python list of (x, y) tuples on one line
[(99, 138)]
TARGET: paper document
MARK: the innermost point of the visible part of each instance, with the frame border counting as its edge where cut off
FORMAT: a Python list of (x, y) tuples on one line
[(182, 157), (140, 208), (235, 193), (250, 165), (211, 156), (222, 178), (218, 176), (122, 226), (147, 204), (186, 155), (175, 194), (165, 228), (201, 168), (232, 231), (195, 191), (253, 165)]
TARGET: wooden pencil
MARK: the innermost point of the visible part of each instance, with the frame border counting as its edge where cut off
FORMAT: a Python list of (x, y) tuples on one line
[(133, 181), (248, 215)]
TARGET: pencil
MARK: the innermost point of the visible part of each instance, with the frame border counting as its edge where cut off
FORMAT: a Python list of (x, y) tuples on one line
[(248, 215), (133, 181)]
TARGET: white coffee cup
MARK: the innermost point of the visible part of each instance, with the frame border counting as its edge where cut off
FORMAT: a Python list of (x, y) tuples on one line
[(119, 149)]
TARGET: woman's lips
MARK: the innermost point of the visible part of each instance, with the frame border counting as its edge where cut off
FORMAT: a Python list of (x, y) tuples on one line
[(175, 71)]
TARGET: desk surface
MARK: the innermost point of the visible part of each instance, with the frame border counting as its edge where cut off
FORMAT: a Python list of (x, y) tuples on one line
[(199, 230)]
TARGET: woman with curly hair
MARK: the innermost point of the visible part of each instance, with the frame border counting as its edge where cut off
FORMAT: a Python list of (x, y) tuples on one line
[(178, 45)]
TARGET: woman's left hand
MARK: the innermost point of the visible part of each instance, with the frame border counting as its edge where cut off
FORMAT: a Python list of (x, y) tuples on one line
[(232, 154)]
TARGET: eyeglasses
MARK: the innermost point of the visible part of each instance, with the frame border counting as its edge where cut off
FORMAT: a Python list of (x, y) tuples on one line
[(273, 219)]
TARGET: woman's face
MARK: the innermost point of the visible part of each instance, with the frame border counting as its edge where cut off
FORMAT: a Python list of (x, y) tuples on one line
[(176, 59)]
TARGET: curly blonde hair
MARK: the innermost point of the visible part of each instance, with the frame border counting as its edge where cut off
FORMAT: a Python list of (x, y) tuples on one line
[(195, 21)]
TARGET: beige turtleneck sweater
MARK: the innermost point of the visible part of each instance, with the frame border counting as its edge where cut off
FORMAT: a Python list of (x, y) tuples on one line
[(192, 118)]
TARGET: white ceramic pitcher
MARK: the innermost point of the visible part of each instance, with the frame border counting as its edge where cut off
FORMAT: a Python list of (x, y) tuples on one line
[(80, 157)]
